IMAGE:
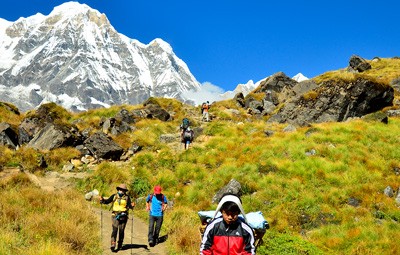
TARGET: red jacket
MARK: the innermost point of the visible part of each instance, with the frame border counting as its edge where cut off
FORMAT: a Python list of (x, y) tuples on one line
[(222, 239)]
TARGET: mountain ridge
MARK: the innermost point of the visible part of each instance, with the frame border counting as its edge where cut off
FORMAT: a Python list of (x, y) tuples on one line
[(75, 58)]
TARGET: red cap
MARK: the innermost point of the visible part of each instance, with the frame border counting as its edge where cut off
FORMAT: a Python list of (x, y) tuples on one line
[(157, 189)]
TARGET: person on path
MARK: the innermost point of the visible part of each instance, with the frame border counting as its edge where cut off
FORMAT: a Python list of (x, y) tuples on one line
[(121, 203), (187, 134), (205, 107), (187, 137), (228, 234), (156, 204)]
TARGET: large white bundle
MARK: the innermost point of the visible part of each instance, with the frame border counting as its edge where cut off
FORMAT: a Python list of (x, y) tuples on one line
[(254, 219)]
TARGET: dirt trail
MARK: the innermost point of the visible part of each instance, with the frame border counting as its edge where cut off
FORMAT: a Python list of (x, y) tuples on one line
[(53, 181), (135, 243)]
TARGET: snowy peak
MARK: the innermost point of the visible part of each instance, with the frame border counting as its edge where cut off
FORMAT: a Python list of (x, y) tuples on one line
[(299, 77), (79, 13), (75, 58)]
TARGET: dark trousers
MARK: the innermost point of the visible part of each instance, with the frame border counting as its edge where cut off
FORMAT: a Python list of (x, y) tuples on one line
[(155, 223), (118, 226)]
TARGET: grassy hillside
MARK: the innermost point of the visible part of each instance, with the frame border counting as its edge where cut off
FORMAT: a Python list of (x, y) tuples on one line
[(321, 187)]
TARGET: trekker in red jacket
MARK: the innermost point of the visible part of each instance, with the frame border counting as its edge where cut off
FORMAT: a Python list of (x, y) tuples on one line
[(228, 234)]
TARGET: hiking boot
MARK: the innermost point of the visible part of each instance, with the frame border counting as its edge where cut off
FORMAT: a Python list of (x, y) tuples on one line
[(112, 246), (120, 245), (151, 243)]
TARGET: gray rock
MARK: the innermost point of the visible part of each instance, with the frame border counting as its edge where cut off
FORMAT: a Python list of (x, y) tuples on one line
[(233, 187), (169, 138), (52, 137), (388, 191), (101, 146), (398, 197), (8, 137)]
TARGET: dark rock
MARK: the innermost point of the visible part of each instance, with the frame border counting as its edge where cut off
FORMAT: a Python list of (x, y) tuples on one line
[(354, 202), (269, 133), (125, 116), (8, 137), (239, 99), (101, 146), (155, 111), (358, 64)]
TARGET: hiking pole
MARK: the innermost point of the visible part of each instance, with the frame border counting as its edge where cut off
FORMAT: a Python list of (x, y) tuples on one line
[(101, 227), (132, 231)]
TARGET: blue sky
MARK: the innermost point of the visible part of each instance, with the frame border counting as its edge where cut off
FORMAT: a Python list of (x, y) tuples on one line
[(227, 42)]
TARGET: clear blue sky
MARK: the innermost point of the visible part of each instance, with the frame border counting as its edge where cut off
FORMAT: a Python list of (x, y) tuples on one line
[(227, 42)]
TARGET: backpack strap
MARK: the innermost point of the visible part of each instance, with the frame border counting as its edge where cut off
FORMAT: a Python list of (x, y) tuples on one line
[(115, 199), (162, 199)]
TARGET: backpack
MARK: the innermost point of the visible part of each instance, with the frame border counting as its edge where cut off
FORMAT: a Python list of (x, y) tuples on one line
[(185, 123), (162, 198), (188, 135)]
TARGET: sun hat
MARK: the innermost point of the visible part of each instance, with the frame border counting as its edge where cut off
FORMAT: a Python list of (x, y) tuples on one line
[(122, 186), (157, 189)]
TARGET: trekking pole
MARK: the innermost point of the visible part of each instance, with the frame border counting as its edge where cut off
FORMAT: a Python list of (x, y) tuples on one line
[(132, 231), (101, 227)]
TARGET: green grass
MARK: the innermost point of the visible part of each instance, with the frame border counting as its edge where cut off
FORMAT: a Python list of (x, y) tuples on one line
[(305, 198)]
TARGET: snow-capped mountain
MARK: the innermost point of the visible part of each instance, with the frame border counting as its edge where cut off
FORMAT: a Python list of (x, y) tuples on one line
[(250, 86), (243, 88), (75, 58), (299, 77)]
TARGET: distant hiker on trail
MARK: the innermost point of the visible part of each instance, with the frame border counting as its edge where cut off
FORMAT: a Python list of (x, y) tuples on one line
[(121, 203), (187, 138), (228, 234), (204, 109), (187, 134), (156, 204)]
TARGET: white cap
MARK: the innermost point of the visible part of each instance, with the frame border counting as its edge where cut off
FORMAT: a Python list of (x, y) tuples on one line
[(230, 198)]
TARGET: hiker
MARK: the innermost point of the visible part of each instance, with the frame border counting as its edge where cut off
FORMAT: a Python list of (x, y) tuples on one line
[(229, 233), (121, 203), (156, 204), (187, 134), (187, 138), (205, 107)]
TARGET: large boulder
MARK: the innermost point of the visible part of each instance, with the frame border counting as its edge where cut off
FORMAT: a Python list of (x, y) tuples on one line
[(156, 111), (336, 101), (358, 64), (151, 111), (54, 136), (37, 120), (8, 137), (101, 146), (276, 82), (233, 187), (125, 116)]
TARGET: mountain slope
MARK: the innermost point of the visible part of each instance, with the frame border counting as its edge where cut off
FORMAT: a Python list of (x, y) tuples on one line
[(75, 58)]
